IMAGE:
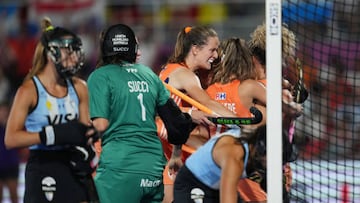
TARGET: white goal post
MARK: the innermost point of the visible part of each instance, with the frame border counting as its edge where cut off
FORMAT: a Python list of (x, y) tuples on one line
[(273, 106)]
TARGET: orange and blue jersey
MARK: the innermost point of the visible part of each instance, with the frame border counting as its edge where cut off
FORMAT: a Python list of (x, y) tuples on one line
[(228, 95)]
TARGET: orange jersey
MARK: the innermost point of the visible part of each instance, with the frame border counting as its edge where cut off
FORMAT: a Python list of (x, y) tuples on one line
[(227, 94), (162, 133), (164, 74)]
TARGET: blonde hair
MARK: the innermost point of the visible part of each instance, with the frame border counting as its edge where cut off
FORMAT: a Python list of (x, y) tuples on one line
[(40, 57), (258, 40)]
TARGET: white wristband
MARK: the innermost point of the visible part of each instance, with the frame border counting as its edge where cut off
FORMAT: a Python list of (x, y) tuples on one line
[(50, 135)]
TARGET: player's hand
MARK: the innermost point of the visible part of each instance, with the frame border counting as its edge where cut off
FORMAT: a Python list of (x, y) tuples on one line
[(199, 117), (92, 134), (290, 107), (175, 163)]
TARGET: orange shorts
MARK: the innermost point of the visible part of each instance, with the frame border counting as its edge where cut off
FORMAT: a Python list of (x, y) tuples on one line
[(251, 191)]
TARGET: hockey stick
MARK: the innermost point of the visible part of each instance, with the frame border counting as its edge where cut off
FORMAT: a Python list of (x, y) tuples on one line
[(218, 120), (300, 92), (189, 99), (239, 121)]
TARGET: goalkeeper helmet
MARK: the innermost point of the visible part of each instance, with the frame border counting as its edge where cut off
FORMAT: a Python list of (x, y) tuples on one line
[(56, 39), (119, 40)]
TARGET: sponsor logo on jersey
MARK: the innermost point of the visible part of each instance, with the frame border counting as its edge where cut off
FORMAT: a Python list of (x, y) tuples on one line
[(220, 96), (149, 183), (197, 195), (48, 186), (120, 39)]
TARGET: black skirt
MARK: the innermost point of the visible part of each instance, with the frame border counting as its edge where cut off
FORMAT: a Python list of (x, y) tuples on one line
[(50, 178), (188, 189)]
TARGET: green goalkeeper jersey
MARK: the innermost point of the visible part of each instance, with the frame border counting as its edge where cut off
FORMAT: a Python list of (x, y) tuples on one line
[(127, 96)]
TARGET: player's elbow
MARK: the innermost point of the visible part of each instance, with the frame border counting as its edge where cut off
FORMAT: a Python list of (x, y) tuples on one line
[(10, 142), (100, 124)]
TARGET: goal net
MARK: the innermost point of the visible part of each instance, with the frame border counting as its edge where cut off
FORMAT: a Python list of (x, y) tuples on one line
[(328, 133)]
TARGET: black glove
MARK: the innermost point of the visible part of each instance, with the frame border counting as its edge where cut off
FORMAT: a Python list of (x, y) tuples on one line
[(300, 93), (71, 133), (83, 160)]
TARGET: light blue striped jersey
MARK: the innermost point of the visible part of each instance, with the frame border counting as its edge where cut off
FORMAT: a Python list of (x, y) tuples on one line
[(51, 110), (203, 166)]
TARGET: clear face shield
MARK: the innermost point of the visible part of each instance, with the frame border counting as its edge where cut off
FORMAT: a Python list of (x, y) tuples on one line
[(67, 55)]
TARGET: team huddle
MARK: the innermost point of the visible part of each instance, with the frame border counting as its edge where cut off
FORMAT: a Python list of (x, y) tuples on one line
[(152, 145)]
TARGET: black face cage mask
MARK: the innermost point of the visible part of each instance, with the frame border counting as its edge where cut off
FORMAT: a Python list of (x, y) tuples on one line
[(73, 46)]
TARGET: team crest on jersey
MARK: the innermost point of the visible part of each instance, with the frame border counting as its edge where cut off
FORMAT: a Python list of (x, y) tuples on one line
[(220, 96), (48, 105), (48, 187)]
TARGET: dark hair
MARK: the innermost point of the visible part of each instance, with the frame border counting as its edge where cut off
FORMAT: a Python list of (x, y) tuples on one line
[(255, 135), (187, 37), (235, 62), (259, 54)]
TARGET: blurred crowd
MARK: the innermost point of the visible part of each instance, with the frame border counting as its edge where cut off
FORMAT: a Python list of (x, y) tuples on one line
[(330, 53)]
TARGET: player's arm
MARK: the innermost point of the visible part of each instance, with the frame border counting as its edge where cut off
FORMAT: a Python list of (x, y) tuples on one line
[(198, 137), (251, 91), (198, 116), (24, 100), (57, 134), (177, 123), (100, 124), (82, 91), (291, 109), (229, 156), (188, 81), (175, 162)]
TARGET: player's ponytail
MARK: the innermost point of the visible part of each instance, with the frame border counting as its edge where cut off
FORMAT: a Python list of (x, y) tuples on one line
[(46, 24), (39, 59)]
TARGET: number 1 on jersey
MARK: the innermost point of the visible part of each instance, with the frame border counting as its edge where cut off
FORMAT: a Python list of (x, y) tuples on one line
[(143, 112)]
